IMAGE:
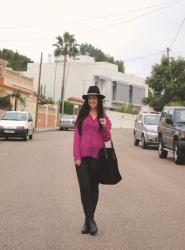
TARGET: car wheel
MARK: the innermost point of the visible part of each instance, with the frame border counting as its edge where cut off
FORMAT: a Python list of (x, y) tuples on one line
[(179, 157), (31, 136), (143, 142), (162, 153), (136, 141)]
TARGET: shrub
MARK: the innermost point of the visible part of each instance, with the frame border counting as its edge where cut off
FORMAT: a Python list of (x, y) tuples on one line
[(68, 108)]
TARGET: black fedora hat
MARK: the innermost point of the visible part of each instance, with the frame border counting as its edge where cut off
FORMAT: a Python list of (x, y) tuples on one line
[(93, 90)]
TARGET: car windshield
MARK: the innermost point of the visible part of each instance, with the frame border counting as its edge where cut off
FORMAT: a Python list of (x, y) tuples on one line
[(180, 115), (68, 117), (151, 119), (14, 116)]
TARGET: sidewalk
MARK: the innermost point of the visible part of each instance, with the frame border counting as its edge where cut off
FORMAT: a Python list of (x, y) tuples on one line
[(38, 130)]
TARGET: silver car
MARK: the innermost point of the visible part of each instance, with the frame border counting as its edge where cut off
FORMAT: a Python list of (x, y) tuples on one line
[(67, 122), (145, 129)]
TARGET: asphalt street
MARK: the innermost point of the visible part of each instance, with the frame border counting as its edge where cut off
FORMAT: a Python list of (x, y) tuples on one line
[(40, 207)]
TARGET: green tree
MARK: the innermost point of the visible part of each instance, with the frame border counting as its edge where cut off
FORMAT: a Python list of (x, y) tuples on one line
[(15, 60), (128, 108), (17, 97), (5, 102), (47, 100), (42, 95), (100, 56), (166, 83), (121, 67), (68, 108), (65, 46)]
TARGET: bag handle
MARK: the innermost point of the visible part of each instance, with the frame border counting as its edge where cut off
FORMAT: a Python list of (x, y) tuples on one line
[(111, 143), (112, 146)]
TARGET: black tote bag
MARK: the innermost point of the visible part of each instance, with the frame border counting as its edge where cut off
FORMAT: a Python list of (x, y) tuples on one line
[(108, 166)]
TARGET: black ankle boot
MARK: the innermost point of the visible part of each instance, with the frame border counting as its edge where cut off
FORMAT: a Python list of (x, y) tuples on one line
[(92, 226), (85, 229)]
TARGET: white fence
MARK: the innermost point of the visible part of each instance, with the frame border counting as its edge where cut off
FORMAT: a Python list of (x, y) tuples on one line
[(121, 120)]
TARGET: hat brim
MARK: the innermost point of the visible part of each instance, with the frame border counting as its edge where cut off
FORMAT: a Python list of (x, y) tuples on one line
[(85, 97)]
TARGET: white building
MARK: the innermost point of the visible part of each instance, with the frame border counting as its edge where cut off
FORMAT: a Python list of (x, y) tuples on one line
[(83, 71)]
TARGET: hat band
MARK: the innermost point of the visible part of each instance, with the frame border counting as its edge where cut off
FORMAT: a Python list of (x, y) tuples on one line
[(93, 94)]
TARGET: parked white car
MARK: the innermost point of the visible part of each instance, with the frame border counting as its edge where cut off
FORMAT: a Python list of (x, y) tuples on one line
[(67, 122), (16, 124)]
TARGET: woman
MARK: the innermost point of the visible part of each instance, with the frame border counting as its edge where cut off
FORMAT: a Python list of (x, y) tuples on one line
[(92, 129)]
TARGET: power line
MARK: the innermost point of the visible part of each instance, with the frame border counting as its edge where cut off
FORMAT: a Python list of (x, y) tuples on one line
[(105, 27), (143, 57), (92, 18), (27, 40), (130, 19), (121, 13), (178, 32), (17, 26), (105, 16)]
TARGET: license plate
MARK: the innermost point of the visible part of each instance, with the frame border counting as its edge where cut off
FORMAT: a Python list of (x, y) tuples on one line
[(9, 131)]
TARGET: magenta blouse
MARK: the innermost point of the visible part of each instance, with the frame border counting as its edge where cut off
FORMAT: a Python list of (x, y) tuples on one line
[(91, 139)]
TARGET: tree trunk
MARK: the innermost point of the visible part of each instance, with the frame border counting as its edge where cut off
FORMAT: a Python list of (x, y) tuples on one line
[(15, 106), (63, 78), (63, 81)]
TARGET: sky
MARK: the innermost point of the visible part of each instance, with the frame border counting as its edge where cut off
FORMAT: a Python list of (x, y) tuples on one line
[(137, 32)]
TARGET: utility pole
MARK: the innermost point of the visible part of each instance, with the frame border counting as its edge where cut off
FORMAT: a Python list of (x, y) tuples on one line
[(38, 90), (168, 53)]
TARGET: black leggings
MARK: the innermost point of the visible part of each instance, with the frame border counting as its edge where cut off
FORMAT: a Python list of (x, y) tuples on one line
[(87, 174)]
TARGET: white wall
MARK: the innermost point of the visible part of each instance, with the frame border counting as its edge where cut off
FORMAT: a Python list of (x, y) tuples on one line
[(80, 75), (121, 120)]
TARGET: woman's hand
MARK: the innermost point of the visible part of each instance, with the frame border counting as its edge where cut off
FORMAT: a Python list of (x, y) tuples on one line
[(103, 122), (78, 162)]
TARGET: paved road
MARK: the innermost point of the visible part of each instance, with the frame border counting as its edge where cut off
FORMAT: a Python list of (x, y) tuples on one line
[(40, 207)]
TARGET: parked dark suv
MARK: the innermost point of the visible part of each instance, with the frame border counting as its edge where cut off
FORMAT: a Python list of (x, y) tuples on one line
[(171, 133)]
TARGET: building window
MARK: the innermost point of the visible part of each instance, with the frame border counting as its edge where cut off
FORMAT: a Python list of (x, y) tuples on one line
[(114, 90)]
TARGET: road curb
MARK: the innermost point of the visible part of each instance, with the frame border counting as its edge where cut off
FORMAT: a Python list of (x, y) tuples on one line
[(41, 130)]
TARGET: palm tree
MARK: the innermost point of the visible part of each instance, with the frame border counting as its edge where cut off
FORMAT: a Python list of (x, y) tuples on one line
[(65, 46)]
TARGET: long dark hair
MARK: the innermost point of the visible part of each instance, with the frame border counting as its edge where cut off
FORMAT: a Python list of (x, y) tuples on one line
[(84, 111)]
